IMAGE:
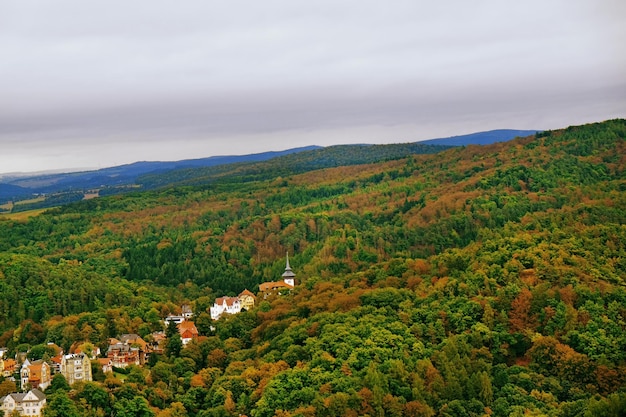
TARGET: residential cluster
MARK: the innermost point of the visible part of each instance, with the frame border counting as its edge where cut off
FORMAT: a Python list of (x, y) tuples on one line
[(36, 375), (246, 300), (125, 350)]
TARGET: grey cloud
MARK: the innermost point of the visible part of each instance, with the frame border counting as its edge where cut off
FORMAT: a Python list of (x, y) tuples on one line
[(156, 70)]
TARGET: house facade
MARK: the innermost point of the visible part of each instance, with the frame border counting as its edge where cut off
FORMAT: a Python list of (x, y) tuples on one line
[(8, 367), (36, 374), (76, 367), (122, 354), (28, 404), (187, 331), (106, 364), (225, 305), (247, 300)]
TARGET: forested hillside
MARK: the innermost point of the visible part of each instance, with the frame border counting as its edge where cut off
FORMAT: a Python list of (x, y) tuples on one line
[(482, 280)]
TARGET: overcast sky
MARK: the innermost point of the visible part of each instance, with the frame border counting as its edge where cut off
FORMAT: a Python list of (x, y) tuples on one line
[(96, 83)]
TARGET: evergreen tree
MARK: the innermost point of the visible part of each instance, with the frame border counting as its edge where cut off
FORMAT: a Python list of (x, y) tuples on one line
[(174, 342)]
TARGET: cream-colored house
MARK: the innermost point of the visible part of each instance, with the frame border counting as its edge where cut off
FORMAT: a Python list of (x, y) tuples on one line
[(76, 367), (247, 300), (27, 404)]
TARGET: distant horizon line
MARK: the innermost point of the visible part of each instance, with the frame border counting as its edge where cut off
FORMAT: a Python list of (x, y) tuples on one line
[(70, 170)]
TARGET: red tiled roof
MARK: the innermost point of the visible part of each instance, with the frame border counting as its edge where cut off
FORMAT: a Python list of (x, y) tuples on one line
[(228, 300), (187, 326), (246, 292), (268, 286)]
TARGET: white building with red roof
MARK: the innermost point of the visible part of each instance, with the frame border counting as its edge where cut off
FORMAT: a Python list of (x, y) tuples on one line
[(225, 305)]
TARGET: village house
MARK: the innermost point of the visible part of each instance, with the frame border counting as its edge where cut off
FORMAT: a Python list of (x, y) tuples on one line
[(123, 354), (8, 367), (174, 319), (157, 344), (76, 367), (106, 364), (228, 305), (36, 374), (26, 404), (187, 331), (287, 283), (186, 314), (247, 300), (135, 340), (56, 363)]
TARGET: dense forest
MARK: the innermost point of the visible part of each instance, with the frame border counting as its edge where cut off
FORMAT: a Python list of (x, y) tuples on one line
[(479, 280)]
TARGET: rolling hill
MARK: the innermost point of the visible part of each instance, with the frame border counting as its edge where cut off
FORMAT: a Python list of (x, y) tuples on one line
[(147, 175), (477, 280)]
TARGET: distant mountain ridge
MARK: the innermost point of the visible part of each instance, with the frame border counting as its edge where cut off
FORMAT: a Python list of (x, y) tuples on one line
[(481, 138), (19, 187)]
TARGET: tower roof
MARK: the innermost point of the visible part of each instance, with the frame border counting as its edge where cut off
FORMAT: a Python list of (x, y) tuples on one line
[(288, 272)]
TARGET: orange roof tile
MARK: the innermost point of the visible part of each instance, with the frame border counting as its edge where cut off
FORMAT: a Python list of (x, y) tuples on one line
[(246, 292), (272, 285), (187, 326)]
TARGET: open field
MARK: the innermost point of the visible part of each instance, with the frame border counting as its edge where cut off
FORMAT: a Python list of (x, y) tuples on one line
[(32, 200), (22, 215)]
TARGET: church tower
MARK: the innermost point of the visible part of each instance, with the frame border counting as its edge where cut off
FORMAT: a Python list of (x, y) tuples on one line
[(288, 275)]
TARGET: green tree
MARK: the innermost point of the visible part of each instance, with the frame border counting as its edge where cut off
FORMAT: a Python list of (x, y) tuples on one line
[(96, 397), (40, 351), (174, 343), (58, 383), (485, 390), (60, 405), (136, 407)]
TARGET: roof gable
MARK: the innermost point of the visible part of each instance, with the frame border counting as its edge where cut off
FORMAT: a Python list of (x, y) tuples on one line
[(187, 326), (246, 293)]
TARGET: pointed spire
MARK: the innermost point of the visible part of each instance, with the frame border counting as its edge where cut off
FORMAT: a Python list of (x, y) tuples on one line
[(288, 272)]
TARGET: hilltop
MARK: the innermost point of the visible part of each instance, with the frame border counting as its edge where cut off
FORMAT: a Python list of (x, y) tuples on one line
[(474, 280), (61, 188)]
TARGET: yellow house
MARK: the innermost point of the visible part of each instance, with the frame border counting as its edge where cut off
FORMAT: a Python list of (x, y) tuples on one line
[(8, 367), (247, 299)]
